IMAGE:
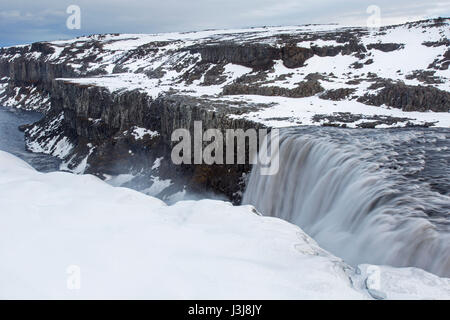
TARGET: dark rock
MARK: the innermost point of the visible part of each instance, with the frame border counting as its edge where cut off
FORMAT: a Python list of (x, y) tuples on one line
[(304, 89), (425, 76), (442, 42), (408, 98), (340, 119), (357, 65), (352, 47), (385, 47), (256, 56), (42, 47), (215, 76), (441, 64), (337, 94), (24, 127), (315, 76), (93, 115), (252, 78), (295, 57)]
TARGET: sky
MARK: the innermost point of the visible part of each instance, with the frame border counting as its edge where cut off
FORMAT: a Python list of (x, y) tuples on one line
[(27, 21)]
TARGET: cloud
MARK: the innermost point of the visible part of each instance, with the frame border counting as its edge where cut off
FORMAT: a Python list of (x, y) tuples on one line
[(16, 16), (11, 14)]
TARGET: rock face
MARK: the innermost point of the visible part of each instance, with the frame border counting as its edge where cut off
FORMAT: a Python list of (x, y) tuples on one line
[(385, 47), (98, 91), (33, 67), (262, 57), (304, 89), (98, 124), (295, 57), (254, 56), (337, 94), (409, 98), (31, 75)]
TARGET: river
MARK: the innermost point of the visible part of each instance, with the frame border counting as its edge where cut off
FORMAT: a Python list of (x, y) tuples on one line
[(12, 139), (376, 196)]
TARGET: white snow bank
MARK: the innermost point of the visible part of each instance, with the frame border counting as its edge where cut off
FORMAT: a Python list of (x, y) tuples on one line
[(139, 133), (406, 283), (128, 245)]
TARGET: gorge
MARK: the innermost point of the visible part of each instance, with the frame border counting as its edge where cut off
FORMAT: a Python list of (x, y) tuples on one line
[(364, 160)]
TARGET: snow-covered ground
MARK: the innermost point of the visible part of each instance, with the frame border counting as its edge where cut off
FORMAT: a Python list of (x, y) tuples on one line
[(59, 230), (287, 112)]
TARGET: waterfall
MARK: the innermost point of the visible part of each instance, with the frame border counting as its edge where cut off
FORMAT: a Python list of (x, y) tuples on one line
[(352, 204)]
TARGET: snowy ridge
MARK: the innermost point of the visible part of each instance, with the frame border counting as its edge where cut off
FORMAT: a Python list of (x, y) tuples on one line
[(350, 67), (128, 245)]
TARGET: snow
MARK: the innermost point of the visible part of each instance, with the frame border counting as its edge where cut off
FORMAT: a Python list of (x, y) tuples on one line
[(154, 87), (57, 53), (119, 180), (174, 64), (56, 145), (406, 283), (296, 111), (317, 43), (414, 56), (157, 163), (158, 186), (132, 41), (139, 133), (128, 245), (169, 63), (80, 168), (62, 148), (32, 101), (131, 245)]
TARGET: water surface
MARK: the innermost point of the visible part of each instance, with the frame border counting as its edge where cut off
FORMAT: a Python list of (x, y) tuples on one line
[(12, 139)]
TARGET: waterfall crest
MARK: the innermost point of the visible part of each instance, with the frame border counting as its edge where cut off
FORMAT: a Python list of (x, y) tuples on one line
[(348, 197)]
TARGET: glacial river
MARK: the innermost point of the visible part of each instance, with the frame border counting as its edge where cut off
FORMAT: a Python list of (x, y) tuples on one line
[(378, 196), (12, 139)]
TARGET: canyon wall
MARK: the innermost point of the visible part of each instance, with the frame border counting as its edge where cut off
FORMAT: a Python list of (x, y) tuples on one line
[(112, 101), (99, 127)]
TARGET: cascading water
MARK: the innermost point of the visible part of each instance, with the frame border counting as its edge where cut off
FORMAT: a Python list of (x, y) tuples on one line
[(368, 196)]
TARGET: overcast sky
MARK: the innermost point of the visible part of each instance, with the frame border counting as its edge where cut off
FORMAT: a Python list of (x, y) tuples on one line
[(26, 21)]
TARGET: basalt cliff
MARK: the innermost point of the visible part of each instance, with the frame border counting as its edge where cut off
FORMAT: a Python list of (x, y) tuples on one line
[(112, 101)]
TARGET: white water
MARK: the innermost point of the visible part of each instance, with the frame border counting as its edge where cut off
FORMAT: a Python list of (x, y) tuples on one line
[(367, 196)]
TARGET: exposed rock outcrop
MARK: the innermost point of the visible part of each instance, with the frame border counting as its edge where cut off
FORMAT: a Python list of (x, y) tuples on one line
[(295, 57), (304, 89), (337, 94), (385, 47), (98, 123), (256, 56), (408, 98)]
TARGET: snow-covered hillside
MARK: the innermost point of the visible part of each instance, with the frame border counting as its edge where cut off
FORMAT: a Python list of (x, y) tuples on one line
[(123, 244), (313, 74)]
